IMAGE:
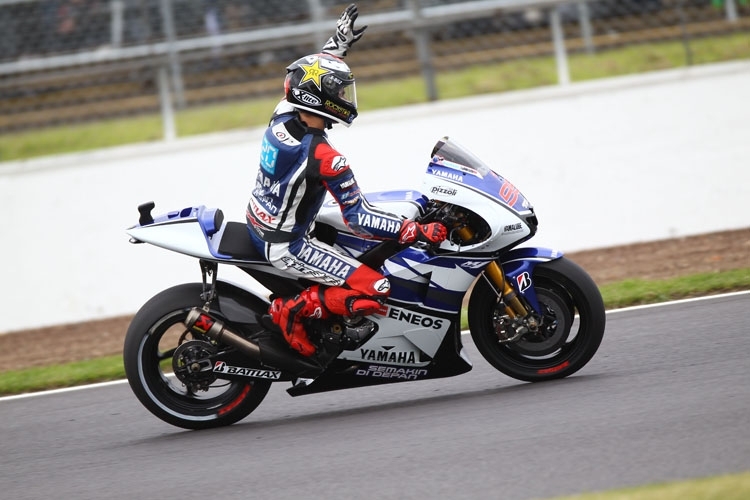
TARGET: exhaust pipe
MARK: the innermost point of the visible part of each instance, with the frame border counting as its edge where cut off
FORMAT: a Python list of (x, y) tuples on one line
[(200, 322), (267, 351)]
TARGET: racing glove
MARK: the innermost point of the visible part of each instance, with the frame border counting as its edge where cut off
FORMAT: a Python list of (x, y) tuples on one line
[(412, 231), (345, 35)]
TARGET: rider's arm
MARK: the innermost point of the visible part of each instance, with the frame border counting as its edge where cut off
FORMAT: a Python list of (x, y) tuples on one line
[(361, 217)]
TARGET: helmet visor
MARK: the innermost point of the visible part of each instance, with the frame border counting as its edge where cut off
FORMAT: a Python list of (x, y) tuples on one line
[(344, 90), (348, 93)]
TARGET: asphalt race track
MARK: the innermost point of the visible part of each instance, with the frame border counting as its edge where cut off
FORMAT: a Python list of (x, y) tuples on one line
[(665, 398)]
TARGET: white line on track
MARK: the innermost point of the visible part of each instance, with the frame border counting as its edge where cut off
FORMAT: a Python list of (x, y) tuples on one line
[(674, 302), (60, 391), (465, 332)]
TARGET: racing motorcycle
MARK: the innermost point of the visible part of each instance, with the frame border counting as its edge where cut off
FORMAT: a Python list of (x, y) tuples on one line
[(204, 354)]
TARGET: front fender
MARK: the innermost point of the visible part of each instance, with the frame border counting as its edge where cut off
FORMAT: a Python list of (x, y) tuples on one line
[(518, 266)]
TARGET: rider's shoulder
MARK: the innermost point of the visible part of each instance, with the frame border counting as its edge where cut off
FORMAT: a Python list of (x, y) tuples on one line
[(283, 108), (286, 129), (332, 163)]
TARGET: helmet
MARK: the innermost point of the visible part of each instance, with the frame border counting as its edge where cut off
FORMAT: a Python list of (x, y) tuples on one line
[(324, 85)]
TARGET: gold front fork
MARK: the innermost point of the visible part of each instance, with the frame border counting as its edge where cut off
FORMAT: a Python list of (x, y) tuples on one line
[(465, 233), (513, 307)]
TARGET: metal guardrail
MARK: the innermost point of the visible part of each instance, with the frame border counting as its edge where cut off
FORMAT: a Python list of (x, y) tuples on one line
[(413, 17)]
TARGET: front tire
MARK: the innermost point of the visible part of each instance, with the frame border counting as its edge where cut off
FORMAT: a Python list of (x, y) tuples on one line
[(152, 339), (573, 320)]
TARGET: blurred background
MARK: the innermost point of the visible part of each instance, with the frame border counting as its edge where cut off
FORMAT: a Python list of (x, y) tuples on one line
[(81, 74)]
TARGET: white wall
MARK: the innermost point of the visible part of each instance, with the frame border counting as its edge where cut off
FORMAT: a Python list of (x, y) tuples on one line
[(605, 163)]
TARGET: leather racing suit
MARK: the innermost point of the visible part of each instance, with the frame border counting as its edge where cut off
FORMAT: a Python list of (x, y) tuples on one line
[(298, 167)]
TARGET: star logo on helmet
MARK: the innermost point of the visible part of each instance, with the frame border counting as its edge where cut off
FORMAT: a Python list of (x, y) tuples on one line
[(313, 73)]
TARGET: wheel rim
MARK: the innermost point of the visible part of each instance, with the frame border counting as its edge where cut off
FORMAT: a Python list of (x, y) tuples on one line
[(155, 369), (559, 337), (555, 328)]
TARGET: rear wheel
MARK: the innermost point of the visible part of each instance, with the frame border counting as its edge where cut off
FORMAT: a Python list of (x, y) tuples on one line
[(158, 348), (571, 330)]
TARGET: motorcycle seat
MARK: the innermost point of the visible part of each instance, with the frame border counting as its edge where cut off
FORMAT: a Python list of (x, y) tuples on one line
[(236, 242)]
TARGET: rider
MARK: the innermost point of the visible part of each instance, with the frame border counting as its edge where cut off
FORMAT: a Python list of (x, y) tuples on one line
[(298, 166)]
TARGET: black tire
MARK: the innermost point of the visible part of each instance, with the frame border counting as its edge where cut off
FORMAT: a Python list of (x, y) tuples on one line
[(574, 325), (153, 335)]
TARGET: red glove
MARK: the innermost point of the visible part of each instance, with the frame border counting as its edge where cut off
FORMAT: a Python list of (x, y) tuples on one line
[(411, 231)]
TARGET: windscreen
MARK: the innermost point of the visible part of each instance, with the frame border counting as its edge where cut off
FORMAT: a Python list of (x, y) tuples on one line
[(450, 151)]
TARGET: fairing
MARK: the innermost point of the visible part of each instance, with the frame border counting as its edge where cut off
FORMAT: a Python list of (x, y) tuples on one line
[(418, 332)]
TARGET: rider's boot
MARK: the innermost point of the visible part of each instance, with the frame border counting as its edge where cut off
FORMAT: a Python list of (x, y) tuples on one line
[(345, 302), (314, 303), (364, 294), (288, 314)]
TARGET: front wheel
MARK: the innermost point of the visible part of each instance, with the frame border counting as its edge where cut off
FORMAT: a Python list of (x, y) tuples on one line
[(157, 345), (571, 329)]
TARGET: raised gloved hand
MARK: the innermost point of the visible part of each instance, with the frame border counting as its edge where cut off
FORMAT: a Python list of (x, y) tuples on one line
[(345, 35), (412, 231)]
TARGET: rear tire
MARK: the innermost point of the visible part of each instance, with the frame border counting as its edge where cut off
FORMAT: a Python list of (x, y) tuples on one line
[(154, 334), (573, 324)]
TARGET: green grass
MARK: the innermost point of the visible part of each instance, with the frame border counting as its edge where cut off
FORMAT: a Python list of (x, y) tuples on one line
[(725, 487), (638, 291), (626, 293), (502, 77), (66, 375)]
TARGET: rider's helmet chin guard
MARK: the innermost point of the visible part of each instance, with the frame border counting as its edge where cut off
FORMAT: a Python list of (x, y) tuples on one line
[(324, 85)]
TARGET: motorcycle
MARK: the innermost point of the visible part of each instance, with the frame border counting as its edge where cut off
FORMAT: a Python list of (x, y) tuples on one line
[(204, 354)]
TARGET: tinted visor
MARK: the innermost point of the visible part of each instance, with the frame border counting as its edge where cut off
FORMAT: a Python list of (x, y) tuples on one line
[(345, 90)]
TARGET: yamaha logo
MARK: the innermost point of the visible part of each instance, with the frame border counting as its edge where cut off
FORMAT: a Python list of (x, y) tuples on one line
[(306, 97)]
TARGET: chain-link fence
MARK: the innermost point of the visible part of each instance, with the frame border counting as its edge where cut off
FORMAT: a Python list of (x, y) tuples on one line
[(64, 61)]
